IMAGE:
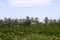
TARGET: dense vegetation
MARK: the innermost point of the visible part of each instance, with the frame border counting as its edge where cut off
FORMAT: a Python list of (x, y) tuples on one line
[(29, 29)]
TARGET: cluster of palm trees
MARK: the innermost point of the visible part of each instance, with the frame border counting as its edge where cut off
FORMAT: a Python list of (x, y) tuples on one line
[(27, 21), (18, 22), (52, 22)]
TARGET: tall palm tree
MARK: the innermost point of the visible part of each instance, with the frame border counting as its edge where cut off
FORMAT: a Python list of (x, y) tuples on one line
[(20, 22), (5, 21), (36, 19), (9, 22), (27, 21), (13, 22), (16, 22), (1, 22), (32, 20), (46, 20)]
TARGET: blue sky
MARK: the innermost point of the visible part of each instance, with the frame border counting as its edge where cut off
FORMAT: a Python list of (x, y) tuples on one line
[(32, 8)]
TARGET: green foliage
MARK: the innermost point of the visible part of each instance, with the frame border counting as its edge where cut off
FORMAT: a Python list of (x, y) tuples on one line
[(30, 33), (29, 29)]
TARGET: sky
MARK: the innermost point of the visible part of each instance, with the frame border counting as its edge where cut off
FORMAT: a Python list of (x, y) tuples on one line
[(31, 8)]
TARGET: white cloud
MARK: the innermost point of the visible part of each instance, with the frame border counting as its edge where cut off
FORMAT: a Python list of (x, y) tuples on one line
[(28, 3)]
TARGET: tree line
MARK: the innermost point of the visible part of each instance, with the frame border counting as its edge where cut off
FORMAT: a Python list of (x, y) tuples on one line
[(28, 22)]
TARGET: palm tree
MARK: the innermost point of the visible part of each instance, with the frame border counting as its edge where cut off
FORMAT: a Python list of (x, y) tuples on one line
[(55, 22), (27, 17), (27, 21), (5, 21), (32, 20), (16, 22), (36, 20), (46, 20), (9, 22), (51, 22), (1, 22), (13, 22), (20, 22)]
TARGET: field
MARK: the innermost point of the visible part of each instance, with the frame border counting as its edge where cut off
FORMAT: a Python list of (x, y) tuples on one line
[(30, 33)]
